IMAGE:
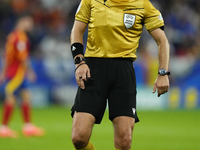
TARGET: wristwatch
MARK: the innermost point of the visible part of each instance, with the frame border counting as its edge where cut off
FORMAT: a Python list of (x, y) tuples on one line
[(78, 59), (163, 72)]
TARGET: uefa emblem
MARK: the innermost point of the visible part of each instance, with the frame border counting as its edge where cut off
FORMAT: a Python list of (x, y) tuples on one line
[(129, 20)]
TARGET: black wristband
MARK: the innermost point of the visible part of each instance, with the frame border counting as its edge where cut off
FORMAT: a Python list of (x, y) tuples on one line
[(77, 48)]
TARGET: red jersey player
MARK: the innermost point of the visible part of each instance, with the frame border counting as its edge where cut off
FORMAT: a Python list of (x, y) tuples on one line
[(16, 70)]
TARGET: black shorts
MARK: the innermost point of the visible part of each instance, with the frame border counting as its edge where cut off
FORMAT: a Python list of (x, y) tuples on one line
[(114, 83)]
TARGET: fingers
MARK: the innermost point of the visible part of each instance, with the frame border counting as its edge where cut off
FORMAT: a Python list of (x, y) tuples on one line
[(81, 75), (80, 81), (88, 74), (162, 89), (154, 89), (81, 84), (161, 85)]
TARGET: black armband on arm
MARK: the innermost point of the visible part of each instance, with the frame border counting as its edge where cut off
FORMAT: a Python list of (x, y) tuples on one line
[(76, 49)]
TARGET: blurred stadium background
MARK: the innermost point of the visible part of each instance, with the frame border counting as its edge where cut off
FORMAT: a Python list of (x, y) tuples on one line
[(56, 85)]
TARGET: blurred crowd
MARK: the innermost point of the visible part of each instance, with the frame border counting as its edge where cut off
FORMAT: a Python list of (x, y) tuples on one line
[(54, 20)]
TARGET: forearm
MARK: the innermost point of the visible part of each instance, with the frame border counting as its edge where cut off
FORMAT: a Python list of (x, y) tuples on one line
[(4, 67), (3, 71), (164, 54), (162, 82), (77, 36), (27, 65), (163, 48), (82, 71)]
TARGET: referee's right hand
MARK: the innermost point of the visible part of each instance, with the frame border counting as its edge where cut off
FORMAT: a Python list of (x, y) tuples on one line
[(82, 73)]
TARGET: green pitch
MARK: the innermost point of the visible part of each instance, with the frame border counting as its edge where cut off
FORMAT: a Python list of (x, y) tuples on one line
[(157, 130)]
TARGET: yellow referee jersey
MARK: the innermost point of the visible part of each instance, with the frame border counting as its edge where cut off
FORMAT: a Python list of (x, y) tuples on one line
[(115, 26)]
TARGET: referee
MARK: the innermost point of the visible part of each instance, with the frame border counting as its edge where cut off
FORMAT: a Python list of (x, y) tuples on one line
[(105, 73)]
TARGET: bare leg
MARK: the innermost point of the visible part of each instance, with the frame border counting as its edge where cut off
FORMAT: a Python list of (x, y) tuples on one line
[(82, 129), (123, 129)]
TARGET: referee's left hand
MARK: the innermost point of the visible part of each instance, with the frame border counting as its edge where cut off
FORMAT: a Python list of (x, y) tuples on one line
[(82, 73), (161, 85)]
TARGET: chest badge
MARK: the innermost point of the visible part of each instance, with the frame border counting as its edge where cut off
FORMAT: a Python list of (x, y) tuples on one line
[(129, 20)]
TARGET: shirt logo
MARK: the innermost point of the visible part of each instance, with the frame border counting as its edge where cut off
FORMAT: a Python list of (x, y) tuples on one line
[(129, 20), (160, 17), (21, 46)]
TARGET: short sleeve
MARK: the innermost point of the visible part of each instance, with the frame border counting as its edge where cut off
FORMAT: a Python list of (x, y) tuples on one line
[(84, 11), (152, 17)]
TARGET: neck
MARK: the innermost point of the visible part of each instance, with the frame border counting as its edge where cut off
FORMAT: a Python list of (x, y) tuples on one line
[(19, 28)]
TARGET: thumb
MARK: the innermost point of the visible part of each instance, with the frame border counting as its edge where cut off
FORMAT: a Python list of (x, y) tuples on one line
[(154, 88)]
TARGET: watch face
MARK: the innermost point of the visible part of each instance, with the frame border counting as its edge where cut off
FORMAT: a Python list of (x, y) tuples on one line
[(77, 60), (162, 71)]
